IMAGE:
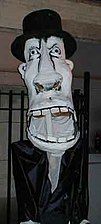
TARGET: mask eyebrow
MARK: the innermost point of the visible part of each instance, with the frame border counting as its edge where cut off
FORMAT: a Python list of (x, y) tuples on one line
[(52, 46), (34, 46)]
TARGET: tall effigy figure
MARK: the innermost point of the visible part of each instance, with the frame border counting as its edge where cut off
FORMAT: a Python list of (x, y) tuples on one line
[(48, 167)]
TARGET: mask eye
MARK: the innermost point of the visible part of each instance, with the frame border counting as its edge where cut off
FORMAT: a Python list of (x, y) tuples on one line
[(34, 54), (55, 52)]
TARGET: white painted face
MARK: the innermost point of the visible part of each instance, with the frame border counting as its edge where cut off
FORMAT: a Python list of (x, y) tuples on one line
[(47, 75)]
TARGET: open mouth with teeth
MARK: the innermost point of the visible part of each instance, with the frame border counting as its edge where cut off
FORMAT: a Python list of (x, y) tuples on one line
[(53, 125)]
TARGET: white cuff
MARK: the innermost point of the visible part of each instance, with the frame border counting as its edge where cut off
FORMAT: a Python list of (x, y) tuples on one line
[(85, 222), (29, 222)]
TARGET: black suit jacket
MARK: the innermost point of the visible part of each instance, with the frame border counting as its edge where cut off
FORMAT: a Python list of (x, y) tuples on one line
[(69, 201)]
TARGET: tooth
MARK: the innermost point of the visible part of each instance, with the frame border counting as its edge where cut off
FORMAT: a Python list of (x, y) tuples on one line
[(45, 111), (54, 110), (36, 113), (62, 139), (41, 137), (63, 109), (51, 139)]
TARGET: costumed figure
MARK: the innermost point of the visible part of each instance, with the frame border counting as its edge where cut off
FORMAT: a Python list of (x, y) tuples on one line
[(48, 167)]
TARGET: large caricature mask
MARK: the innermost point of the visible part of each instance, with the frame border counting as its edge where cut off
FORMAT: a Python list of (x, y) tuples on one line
[(48, 76), (45, 48)]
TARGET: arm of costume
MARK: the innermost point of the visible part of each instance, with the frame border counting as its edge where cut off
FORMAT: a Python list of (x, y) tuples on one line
[(30, 175)]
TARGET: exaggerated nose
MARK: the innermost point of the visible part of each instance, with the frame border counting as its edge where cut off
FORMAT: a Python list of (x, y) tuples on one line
[(48, 84), (47, 78)]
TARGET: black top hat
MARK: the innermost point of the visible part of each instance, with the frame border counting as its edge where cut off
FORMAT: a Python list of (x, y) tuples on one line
[(42, 24)]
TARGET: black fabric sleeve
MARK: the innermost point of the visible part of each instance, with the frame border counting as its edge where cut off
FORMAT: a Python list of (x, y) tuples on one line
[(30, 175)]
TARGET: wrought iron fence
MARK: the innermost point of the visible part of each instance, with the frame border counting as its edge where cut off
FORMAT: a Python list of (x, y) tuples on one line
[(81, 103)]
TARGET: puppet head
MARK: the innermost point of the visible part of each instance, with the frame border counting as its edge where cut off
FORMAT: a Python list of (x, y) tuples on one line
[(44, 48)]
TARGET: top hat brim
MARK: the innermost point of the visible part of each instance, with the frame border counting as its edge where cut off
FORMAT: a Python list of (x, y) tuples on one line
[(18, 45)]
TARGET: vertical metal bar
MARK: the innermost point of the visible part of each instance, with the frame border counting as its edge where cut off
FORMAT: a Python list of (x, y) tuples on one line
[(9, 159), (22, 116), (81, 114), (86, 132), (86, 107), (0, 97)]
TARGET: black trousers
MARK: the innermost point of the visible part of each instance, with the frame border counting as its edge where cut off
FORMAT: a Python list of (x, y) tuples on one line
[(69, 201)]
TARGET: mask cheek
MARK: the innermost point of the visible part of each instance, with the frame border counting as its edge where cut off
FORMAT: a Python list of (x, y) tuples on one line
[(66, 88)]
